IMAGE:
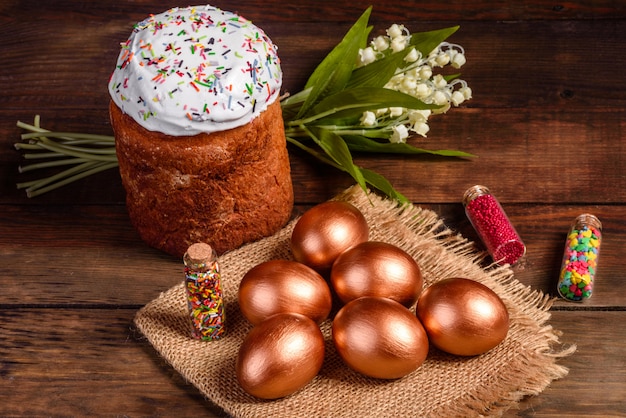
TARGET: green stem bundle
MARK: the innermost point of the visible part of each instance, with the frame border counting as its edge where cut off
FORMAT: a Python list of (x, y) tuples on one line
[(88, 154)]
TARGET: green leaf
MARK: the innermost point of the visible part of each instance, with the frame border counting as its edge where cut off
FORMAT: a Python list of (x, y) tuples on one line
[(333, 73), (382, 184), (369, 177), (379, 72), (335, 147), (426, 42), (291, 105), (362, 144)]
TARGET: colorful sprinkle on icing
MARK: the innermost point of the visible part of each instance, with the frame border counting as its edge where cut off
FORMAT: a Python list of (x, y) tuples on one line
[(195, 69)]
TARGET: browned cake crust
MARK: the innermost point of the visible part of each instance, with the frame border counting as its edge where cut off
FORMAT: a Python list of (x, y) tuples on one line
[(225, 188)]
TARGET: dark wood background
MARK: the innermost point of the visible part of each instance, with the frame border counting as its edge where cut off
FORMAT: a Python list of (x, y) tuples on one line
[(547, 120)]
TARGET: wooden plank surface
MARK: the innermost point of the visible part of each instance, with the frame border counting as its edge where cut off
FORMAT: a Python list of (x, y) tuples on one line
[(547, 122), (93, 363)]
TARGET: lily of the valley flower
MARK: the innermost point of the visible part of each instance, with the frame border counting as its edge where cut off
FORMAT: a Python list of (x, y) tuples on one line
[(416, 79), (368, 119), (400, 134), (418, 120)]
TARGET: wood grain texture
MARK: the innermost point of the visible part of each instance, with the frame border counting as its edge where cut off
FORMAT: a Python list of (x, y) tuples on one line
[(547, 123), (91, 362)]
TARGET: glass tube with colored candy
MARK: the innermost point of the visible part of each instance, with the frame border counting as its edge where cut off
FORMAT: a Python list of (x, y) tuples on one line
[(580, 258), (493, 226), (203, 288)]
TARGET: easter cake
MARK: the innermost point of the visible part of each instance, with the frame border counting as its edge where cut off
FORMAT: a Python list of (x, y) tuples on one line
[(199, 132)]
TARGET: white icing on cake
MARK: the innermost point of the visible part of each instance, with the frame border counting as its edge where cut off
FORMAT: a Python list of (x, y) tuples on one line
[(195, 69)]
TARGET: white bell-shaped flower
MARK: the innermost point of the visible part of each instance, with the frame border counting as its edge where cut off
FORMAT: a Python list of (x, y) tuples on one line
[(368, 119), (399, 135)]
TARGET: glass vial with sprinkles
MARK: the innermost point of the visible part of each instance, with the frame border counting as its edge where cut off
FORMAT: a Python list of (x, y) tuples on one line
[(203, 288), (493, 226), (580, 258)]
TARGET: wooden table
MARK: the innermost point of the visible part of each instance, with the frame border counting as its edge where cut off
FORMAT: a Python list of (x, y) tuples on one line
[(547, 121)]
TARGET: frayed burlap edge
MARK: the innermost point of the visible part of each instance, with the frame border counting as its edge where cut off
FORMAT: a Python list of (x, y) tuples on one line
[(523, 364)]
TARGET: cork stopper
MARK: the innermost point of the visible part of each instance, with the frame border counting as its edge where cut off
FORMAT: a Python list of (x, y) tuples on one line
[(474, 192), (199, 256), (590, 220)]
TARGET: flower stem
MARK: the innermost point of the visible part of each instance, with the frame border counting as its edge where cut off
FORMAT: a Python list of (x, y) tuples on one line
[(36, 188), (48, 164), (69, 136), (320, 156), (89, 153), (321, 115)]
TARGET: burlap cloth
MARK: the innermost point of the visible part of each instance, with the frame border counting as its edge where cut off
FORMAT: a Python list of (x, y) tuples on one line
[(444, 386)]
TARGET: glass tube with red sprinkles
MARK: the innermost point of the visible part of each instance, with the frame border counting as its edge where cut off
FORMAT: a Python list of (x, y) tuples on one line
[(203, 288), (580, 259), (493, 226)]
